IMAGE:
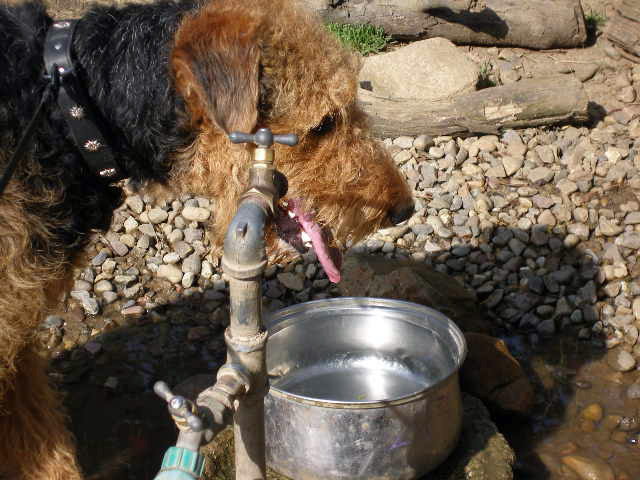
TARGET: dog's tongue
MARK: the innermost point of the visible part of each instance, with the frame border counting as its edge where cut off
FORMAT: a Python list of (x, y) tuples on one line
[(329, 256)]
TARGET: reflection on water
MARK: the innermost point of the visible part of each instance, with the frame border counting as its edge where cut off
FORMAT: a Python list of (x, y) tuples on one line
[(350, 378)]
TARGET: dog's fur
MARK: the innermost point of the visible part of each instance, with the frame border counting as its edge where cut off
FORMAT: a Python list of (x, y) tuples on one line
[(170, 79)]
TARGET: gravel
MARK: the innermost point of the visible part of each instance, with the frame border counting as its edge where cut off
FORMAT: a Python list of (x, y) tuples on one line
[(543, 225)]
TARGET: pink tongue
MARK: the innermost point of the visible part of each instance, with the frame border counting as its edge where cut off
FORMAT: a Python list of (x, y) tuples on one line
[(320, 246)]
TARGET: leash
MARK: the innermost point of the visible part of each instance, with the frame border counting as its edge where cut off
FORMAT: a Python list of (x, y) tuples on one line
[(74, 103), (52, 86)]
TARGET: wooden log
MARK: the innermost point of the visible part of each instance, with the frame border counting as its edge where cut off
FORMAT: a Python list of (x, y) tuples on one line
[(528, 103), (623, 29), (537, 24)]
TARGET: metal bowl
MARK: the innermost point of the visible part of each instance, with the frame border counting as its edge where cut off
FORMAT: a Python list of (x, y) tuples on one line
[(361, 388)]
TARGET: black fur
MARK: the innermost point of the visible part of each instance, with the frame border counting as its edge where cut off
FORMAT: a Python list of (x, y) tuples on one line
[(122, 56)]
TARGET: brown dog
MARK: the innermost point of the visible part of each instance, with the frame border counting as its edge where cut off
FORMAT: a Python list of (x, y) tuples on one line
[(169, 80)]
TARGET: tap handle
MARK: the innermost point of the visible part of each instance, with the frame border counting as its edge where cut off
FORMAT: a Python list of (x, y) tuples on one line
[(264, 138), (180, 408), (163, 391)]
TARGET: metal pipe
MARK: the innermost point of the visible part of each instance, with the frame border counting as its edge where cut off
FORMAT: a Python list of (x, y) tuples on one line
[(244, 261)]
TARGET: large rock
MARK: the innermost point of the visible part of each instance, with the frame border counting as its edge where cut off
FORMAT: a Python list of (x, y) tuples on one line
[(504, 387), (482, 452), (432, 69)]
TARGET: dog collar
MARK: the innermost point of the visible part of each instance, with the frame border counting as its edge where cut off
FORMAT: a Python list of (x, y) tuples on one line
[(74, 103)]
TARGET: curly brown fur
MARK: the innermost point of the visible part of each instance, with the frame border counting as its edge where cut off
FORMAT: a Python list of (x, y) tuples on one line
[(170, 79), (308, 86)]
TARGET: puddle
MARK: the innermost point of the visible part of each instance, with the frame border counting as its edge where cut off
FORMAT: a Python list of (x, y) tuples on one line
[(582, 411)]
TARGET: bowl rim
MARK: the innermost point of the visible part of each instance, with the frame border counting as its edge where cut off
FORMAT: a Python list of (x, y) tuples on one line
[(284, 317)]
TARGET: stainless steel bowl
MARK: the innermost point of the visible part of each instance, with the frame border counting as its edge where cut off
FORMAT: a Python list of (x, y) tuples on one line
[(361, 388)]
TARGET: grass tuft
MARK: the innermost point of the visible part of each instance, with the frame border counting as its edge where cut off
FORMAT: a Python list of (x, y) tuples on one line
[(485, 79), (366, 39), (594, 22)]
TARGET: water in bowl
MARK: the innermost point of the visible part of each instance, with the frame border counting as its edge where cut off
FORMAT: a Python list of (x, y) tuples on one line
[(354, 378)]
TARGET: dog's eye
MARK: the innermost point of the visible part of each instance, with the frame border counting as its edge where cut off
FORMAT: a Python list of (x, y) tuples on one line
[(325, 126)]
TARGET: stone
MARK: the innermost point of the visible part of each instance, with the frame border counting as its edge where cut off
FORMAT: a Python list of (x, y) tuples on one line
[(547, 327), (433, 69), (119, 248), (130, 224), (157, 215), (589, 468), (566, 186), (196, 214), (109, 297), (635, 307), (504, 386), (89, 304), (207, 269), (512, 164), (403, 142), (540, 175), (170, 272), (192, 264), (620, 360), (135, 203), (102, 286), (592, 412), (100, 258), (132, 311), (488, 143), (627, 94), (633, 391), (579, 230), (291, 281), (133, 291), (632, 218), (422, 142), (629, 240), (608, 228)]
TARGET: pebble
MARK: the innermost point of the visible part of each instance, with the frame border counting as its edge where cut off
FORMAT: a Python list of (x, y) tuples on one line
[(633, 391), (99, 259), (132, 311), (589, 468), (540, 175), (135, 203), (291, 280), (593, 412), (157, 215), (192, 264), (170, 272), (89, 304), (512, 164), (620, 360), (196, 214), (102, 286), (53, 321)]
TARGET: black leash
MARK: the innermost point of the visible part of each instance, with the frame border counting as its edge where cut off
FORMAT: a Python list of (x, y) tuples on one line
[(50, 90), (83, 121)]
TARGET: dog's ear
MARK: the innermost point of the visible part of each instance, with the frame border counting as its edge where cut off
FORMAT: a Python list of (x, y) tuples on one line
[(215, 64)]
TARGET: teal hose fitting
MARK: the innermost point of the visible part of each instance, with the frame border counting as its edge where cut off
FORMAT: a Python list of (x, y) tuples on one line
[(181, 463)]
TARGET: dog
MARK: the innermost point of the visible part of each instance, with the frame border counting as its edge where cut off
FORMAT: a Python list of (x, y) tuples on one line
[(165, 82)]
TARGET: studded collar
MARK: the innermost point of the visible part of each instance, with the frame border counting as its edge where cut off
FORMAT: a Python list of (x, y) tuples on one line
[(83, 121)]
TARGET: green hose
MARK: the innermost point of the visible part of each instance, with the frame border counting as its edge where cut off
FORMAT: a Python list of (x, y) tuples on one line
[(180, 464)]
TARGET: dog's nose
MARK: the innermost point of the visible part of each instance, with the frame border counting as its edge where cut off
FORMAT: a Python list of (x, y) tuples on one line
[(400, 214)]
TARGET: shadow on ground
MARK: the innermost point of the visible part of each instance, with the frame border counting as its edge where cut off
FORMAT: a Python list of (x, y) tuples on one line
[(122, 428)]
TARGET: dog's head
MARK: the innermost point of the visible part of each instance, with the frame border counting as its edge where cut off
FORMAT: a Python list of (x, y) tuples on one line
[(241, 65)]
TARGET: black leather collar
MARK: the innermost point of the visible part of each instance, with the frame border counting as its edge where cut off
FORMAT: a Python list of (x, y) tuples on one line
[(74, 103)]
